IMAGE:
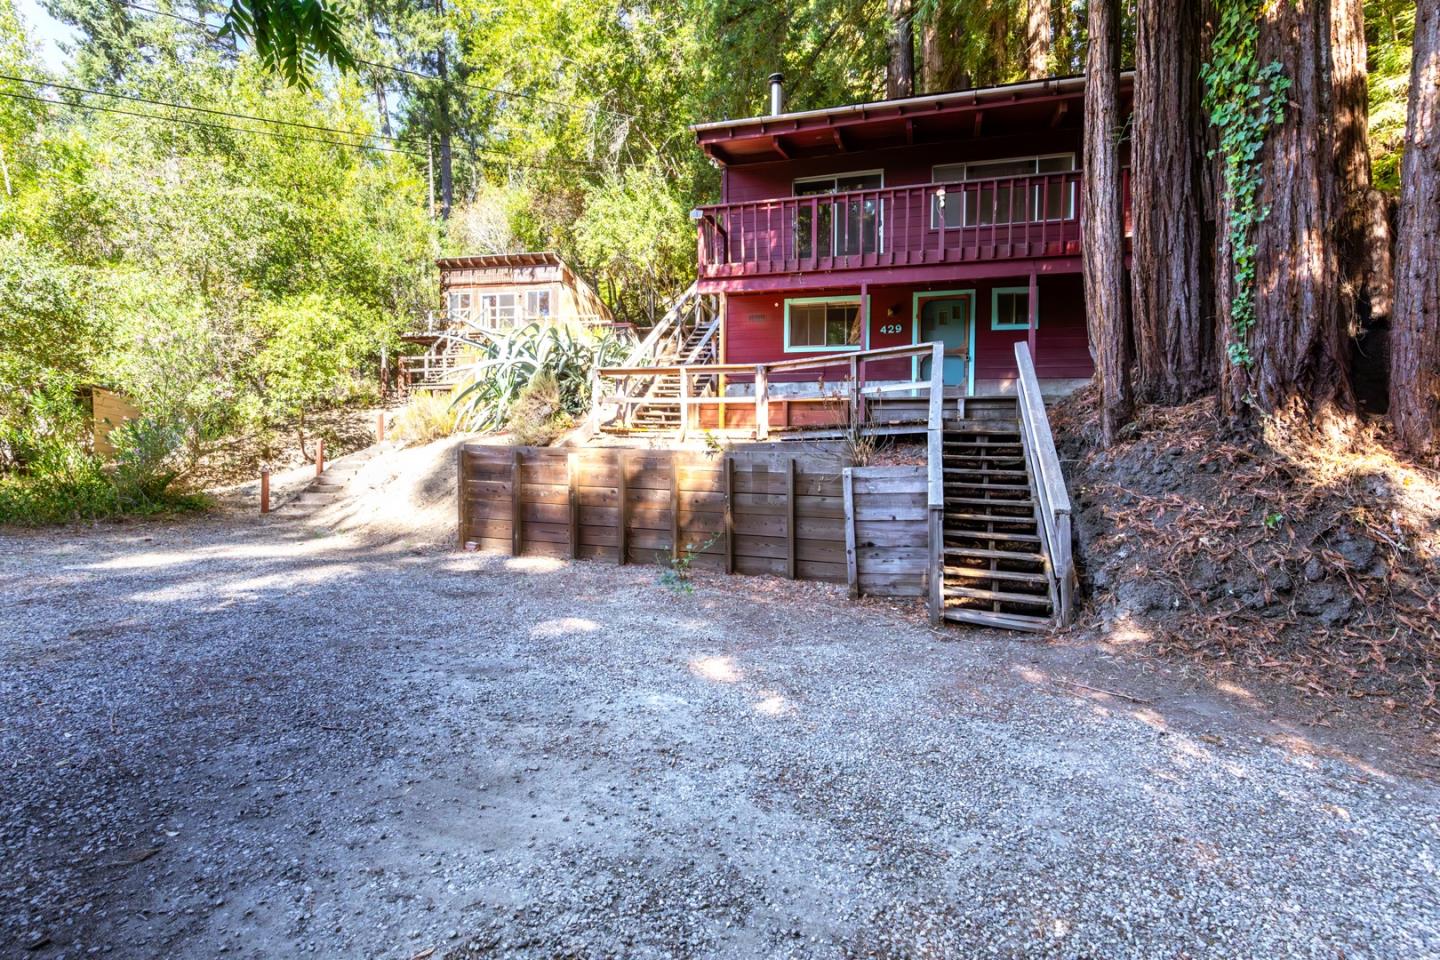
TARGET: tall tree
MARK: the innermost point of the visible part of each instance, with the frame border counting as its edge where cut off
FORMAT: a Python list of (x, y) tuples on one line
[(900, 71), (444, 128), (1364, 226), (1286, 341), (1103, 221), (1171, 276), (1038, 39), (1415, 339)]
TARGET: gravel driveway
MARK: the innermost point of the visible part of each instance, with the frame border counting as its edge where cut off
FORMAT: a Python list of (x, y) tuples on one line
[(257, 740)]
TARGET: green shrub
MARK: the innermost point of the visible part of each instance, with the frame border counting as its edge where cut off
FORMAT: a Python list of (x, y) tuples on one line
[(538, 414), (509, 363), (427, 417)]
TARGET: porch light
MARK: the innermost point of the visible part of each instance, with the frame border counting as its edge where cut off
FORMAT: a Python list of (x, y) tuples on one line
[(940, 195)]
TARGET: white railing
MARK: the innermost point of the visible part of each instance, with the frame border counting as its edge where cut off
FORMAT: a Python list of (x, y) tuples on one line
[(1052, 499)]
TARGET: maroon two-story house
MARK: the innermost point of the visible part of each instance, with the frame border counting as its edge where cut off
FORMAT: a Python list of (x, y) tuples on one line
[(952, 217)]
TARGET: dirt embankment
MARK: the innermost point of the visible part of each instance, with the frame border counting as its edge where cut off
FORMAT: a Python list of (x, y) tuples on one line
[(1312, 560)]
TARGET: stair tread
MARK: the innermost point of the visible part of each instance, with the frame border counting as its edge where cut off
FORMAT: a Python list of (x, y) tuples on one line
[(990, 518), (988, 553), (1001, 535), (1004, 596), (978, 573), (982, 485), (990, 502), (986, 472), (990, 618)]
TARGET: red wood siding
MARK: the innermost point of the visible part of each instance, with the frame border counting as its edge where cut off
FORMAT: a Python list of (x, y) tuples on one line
[(755, 330)]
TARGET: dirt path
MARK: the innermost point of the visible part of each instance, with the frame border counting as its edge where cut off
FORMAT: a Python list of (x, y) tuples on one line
[(227, 738)]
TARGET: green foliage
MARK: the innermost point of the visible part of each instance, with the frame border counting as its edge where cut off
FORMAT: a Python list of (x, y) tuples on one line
[(1390, 38), (678, 574), (1244, 99), (291, 37), (538, 416), (506, 364)]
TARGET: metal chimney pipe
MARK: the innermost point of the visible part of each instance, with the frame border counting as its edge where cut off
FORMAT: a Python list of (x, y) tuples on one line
[(777, 94)]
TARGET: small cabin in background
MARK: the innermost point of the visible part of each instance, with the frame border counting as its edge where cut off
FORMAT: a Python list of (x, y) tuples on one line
[(499, 291), (495, 293)]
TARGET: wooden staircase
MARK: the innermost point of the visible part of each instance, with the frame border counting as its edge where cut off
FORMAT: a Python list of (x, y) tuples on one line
[(996, 572), (693, 342)]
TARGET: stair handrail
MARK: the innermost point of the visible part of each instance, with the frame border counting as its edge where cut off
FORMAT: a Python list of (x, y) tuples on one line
[(1052, 498), (935, 482)]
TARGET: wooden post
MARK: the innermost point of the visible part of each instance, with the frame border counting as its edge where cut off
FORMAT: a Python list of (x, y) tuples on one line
[(790, 518), (319, 456), (517, 522), (1034, 302), (762, 402), (935, 485), (380, 428), (622, 518), (729, 513), (265, 489), (852, 566), (570, 460), (854, 391), (674, 504), (684, 403), (463, 494)]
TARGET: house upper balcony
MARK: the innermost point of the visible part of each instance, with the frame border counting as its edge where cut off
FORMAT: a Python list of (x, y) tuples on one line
[(1002, 218), (934, 187)]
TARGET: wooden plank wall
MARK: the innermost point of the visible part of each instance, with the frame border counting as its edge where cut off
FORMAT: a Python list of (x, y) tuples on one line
[(756, 511), (887, 511)]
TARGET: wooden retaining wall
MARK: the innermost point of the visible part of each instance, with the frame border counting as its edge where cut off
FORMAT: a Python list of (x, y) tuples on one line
[(776, 510), (887, 538)]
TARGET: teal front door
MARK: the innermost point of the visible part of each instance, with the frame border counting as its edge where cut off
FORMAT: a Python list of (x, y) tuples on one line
[(948, 321)]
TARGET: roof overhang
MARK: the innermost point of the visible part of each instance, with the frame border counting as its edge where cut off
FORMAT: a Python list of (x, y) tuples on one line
[(961, 114), (538, 259)]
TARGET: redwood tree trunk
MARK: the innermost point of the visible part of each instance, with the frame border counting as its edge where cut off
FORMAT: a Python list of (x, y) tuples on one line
[(1366, 268), (1299, 346), (1415, 333), (900, 74), (447, 176), (1038, 39), (1102, 220), (1171, 278)]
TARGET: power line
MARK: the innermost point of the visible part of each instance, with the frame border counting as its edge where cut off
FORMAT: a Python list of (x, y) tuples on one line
[(500, 91), (210, 110), (208, 125)]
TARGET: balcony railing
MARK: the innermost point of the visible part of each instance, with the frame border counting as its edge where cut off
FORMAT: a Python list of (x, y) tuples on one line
[(998, 219)]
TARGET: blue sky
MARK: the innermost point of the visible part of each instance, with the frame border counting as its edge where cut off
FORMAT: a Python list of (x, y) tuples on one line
[(45, 34)]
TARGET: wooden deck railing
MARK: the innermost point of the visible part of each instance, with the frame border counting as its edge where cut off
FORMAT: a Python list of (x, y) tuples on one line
[(848, 388), (997, 219), (1051, 498)]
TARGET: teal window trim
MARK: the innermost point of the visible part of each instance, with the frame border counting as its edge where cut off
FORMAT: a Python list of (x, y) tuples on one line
[(915, 300), (839, 348), (1031, 309)]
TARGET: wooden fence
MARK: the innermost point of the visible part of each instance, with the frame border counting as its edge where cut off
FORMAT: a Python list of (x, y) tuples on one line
[(778, 510), (887, 538)]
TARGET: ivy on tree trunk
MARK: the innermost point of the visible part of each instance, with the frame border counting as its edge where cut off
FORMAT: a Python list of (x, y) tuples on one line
[(1415, 340), (1103, 221), (1290, 354)]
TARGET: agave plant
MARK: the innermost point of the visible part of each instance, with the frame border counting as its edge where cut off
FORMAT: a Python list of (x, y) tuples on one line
[(508, 362)]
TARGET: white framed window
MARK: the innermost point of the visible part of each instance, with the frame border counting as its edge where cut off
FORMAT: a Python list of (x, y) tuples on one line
[(537, 304), (1003, 200), (1010, 308), (823, 323), (839, 227), (497, 310), (457, 305)]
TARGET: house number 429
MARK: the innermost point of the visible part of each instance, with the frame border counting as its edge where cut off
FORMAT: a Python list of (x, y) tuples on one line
[(890, 328)]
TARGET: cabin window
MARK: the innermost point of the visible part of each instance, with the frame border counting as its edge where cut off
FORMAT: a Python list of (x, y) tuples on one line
[(1010, 308), (842, 226), (822, 324), (1013, 190), (537, 304), (497, 310), (457, 305)]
